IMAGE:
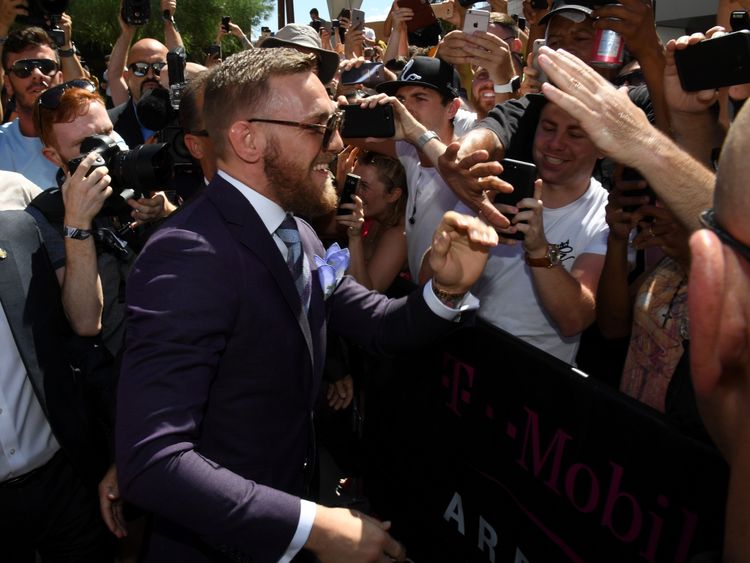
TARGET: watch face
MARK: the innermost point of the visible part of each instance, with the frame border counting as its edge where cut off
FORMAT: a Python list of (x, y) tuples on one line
[(554, 254)]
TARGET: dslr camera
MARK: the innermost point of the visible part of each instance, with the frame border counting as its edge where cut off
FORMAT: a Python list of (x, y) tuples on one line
[(46, 14), (133, 172)]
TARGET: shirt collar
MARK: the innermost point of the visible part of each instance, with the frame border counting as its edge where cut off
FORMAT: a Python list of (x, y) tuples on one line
[(269, 211)]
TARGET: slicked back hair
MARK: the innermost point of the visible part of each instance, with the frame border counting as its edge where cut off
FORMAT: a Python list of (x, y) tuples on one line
[(238, 87)]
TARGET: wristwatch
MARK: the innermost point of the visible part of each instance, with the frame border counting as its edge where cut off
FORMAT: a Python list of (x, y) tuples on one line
[(552, 258), (425, 138), (67, 52), (450, 300), (78, 234), (513, 85)]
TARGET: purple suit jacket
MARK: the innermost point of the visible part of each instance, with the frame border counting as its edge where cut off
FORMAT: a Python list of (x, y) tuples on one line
[(220, 375)]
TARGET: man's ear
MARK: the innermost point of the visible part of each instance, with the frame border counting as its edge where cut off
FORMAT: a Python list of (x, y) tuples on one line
[(706, 301), (194, 145), (8, 85), (247, 141), (53, 156), (453, 107), (394, 195)]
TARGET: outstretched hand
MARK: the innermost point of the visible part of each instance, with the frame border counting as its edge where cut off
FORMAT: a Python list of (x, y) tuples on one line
[(459, 251), (472, 177)]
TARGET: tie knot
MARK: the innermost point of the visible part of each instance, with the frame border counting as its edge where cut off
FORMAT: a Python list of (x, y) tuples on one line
[(288, 231)]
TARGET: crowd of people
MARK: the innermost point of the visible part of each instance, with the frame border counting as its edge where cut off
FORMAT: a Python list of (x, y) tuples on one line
[(171, 322)]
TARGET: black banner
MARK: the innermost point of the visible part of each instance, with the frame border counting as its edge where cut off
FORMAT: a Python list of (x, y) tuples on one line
[(487, 449)]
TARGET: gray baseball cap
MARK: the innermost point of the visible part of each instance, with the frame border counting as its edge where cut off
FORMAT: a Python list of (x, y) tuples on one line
[(297, 35), (575, 11)]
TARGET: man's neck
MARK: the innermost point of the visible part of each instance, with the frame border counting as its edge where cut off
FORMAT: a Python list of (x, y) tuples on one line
[(26, 123), (555, 196)]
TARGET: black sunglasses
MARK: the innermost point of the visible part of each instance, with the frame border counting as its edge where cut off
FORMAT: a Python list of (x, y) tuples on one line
[(50, 98), (24, 67), (708, 220), (141, 69), (334, 123)]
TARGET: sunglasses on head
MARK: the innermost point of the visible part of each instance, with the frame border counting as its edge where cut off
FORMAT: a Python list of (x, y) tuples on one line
[(24, 67), (50, 98), (141, 69)]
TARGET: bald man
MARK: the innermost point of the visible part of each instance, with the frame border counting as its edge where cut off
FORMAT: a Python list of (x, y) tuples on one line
[(146, 60), (719, 304)]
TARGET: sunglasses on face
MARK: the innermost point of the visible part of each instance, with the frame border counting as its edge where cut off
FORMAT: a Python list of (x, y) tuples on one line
[(24, 67), (50, 99), (708, 220), (334, 123), (141, 69)]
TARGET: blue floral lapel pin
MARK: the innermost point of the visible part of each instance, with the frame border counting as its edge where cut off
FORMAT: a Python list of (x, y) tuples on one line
[(331, 268)]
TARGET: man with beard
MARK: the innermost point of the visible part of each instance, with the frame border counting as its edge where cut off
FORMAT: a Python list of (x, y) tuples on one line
[(31, 66), (227, 313), (146, 60)]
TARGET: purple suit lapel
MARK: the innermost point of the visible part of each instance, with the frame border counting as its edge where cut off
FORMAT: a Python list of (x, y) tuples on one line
[(247, 226)]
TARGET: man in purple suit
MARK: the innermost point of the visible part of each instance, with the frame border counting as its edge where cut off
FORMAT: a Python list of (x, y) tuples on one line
[(226, 335)]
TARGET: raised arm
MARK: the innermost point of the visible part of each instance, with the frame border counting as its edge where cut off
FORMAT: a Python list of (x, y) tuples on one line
[(118, 87), (172, 37), (622, 132)]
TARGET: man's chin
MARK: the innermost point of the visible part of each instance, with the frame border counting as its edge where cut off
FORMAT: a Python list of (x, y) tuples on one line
[(148, 87)]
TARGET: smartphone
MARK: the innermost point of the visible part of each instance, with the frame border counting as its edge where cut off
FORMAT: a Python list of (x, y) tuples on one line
[(368, 73), (538, 44), (136, 12), (739, 20), (350, 187), (632, 175), (521, 175), (467, 3), (715, 63), (358, 19), (213, 51), (476, 20), (371, 122), (539, 4), (443, 10), (423, 14)]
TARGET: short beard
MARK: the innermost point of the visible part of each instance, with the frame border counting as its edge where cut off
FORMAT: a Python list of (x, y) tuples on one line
[(294, 188)]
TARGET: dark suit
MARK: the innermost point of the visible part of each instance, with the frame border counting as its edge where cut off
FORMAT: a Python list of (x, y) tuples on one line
[(30, 297), (125, 122), (220, 375)]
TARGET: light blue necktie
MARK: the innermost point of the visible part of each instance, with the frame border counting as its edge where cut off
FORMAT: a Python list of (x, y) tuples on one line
[(295, 259)]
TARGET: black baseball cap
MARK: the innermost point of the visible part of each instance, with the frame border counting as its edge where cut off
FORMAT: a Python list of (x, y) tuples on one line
[(429, 72), (564, 7)]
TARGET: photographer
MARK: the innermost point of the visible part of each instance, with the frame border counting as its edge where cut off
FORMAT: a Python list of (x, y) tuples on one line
[(145, 60), (67, 114), (70, 64)]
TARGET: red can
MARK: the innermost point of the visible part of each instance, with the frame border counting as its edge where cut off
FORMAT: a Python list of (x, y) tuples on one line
[(608, 49)]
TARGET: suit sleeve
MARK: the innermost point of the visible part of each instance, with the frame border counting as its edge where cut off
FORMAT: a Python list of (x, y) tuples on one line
[(381, 325), (176, 335)]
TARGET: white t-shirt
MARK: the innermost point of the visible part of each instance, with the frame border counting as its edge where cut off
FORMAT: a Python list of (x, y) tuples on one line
[(22, 154), (506, 289), (463, 122), (429, 198), (16, 192)]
